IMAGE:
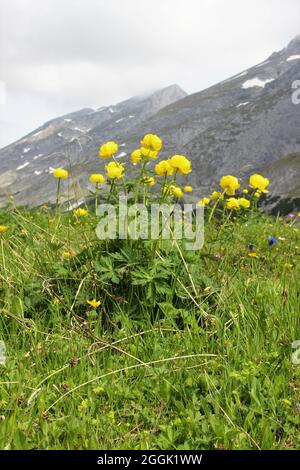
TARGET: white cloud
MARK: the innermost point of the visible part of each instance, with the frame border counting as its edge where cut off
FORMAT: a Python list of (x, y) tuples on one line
[(57, 56)]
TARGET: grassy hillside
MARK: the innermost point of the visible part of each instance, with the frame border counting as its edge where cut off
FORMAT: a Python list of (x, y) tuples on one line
[(188, 359)]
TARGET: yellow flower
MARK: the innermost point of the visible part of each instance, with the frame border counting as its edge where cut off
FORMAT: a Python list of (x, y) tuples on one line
[(232, 203), (3, 228), (151, 142), (203, 202), (245, 191), (66, 255), (257, 194), (108, 149), (230, 184), (115, 170), (217, 196), (164, 168), (259, 182), (80, 212), (252, 254), (181, 164), (188, 189), (94, 303), (176, 191), (97, 178), (136, 156), (148, 181), (288, 266), (149, 153), (243, 202), (60, 173), (298, 214)]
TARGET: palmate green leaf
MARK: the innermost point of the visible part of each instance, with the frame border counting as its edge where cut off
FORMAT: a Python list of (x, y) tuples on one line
[(106, 271)]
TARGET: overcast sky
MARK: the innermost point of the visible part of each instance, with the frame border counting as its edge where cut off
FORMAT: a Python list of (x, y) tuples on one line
[(57, 56)]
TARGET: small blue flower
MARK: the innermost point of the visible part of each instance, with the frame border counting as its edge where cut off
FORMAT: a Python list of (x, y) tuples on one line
[(272, 241), (251, 247)]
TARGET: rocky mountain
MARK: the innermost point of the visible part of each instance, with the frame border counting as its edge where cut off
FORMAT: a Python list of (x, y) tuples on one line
[(246, 123)]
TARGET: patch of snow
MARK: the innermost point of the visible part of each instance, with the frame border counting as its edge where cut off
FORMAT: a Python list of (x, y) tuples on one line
[(50, 169), (119, 120), (26, 150), (59, 134), (122, 154), (111, 110), (242, 104), (68, 120), (256, 82), (78, 129), (38, 133), (131, 116), (293, 57), (37, 172), (38, 156), (23, 166), (122, 145)]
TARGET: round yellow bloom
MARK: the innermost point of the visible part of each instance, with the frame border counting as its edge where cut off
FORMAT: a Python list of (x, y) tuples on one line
[(80, 212), (97, 178), (151, 142), (66, 255), (181, 164), (217, 196), (257, 194), (164, 168), (176, 191), (60, 173), (245, 191), (136, 156), (243, 202), (203, 202), (149, 153), (232, 203), (3, 228), (252, 254), (259, 182), (148, 181), (288, 266), (94, 303), (115, 170), (230, 184), (108, 149), (188, 189)]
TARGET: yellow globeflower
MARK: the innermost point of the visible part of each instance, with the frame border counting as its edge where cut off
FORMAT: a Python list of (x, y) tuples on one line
[(245, 191), (80, 212), (151, 142), (148, 181), (230, 184), (115, 170), (181, 164), (136, 156), (164, 168), (217, 196), (257, 194), (203, 202), (176, 191), (232, 203), (149, 153), (108, 149), (243, 202), (3, 228), (97, 178), (60, 173), (259, 182), (94, 303), (188, 189)]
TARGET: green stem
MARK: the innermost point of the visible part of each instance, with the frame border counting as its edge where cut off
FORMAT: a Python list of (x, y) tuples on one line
[(57, 193)]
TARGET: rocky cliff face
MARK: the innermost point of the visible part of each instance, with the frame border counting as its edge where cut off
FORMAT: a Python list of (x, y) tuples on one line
[(244, 124)]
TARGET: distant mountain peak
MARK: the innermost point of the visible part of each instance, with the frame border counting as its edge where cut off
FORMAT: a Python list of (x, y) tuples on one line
[(294, 43)]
